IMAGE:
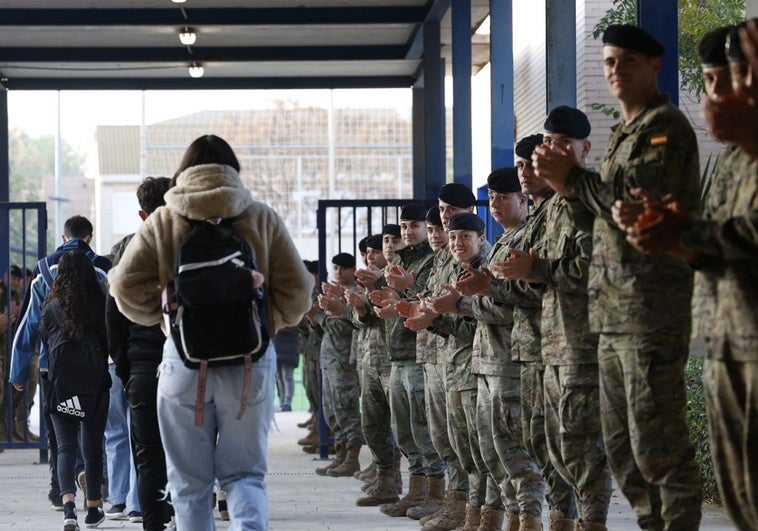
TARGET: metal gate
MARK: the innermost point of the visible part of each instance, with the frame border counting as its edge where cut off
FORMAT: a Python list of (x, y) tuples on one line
[(23, 241)]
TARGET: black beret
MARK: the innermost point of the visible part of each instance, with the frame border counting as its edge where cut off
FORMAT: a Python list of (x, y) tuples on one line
[(712, 47), (374, 242), (391, 229), (504, 181), (568, 121), (526, 145), (344, 260), (733, 49), (433, 216), (466, 221), (16, 272), (413, 212), (311, 266), (362, 244), (632, 38), (457, 194)]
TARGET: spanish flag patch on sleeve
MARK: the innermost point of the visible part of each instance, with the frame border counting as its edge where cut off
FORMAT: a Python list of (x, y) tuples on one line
[(658, 140)]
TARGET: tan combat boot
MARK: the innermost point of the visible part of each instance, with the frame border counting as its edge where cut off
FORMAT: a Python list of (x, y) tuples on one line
[(415, 496), (448, 501), (338, 459), (367, 474), (349, 465), (529, 522), (433, 501), (491, 519), (589, 526), (511, 522), (382, 491), (312, 439), (559, 522), (473, 517), (308, 423), (453, 514)]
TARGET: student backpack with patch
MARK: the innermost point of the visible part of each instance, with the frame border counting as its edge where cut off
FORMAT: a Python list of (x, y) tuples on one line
[(215, 315)]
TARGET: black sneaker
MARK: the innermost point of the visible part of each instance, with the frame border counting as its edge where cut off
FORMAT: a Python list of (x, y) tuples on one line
[(56, 503), (69, 517), (135, 517), (95, 517), (116, 512)]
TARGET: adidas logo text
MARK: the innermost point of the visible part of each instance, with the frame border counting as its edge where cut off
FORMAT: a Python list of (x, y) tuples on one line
[(71, 407)]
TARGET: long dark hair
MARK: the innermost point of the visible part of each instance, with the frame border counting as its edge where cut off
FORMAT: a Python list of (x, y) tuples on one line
[(207, 149), (78, 292)]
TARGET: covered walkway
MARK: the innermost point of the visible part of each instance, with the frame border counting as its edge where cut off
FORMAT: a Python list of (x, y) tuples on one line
[(299, 499)]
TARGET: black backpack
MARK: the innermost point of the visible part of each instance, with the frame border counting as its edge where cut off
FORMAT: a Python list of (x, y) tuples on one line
[(215, 316)]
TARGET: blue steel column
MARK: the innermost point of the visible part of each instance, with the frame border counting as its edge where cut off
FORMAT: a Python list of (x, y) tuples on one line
[(661, 19), (561, 53), (418, 142), (4, 180), (501, 82), (462, 150), (434, 110)]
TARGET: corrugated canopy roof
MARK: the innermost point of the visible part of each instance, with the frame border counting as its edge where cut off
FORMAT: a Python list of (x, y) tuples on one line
[(134, 44)]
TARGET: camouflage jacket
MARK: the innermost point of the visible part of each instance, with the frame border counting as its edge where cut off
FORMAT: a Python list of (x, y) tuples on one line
[(310, 335), (630, 292), (525, 297), (401, 342), (427, 343), (491, 352), (728, 244), (563, 269), (371, 340), (338, 337)]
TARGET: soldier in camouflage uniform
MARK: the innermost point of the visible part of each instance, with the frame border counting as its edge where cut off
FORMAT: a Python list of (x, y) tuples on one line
[(525, 294), (723, 246), (639, 304), (340, 390), (310, 346), (375, 375), (498, 376), (569, 349), (406, 276)]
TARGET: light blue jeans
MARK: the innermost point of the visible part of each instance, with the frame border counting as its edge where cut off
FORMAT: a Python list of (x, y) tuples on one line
[(122, 476), (195, 456)]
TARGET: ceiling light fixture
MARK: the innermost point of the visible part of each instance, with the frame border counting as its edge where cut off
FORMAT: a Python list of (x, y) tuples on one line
[(196, 70), (187, 36), (178, 1)]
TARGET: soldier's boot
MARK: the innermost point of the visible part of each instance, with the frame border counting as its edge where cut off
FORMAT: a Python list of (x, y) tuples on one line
[(338, 459), (491, 519), (448, 501), (312, 439), (529, 522), (433, 501), (511, 521), (453, 514), (382, 491), (367, 474), (473, 517), (367, 486), (350, 465), (559, 522), (414, 496), (307, 423), (580, 525), (398, 476)]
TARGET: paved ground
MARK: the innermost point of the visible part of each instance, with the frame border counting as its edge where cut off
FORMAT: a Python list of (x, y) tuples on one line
[(299, 499)]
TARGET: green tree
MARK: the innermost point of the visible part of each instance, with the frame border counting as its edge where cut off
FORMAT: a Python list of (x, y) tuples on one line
[(696, 18)]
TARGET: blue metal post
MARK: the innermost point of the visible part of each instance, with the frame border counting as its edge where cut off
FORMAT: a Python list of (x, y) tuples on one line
[(4, 178), (434, 110), (661, 19), (561, 53), (462, 150), (501, 82), (419, 146)]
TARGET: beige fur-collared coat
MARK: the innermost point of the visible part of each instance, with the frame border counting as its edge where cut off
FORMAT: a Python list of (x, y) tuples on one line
[(205, 192)]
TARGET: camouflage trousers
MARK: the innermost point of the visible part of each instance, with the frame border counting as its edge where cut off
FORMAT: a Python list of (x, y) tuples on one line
[(498, 414), (574, 436), (436, 418), (731, 389), (462, 430), (642, 409), (375, 415), (409, 425), (311, 372), (340, 400), (559, 495)]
